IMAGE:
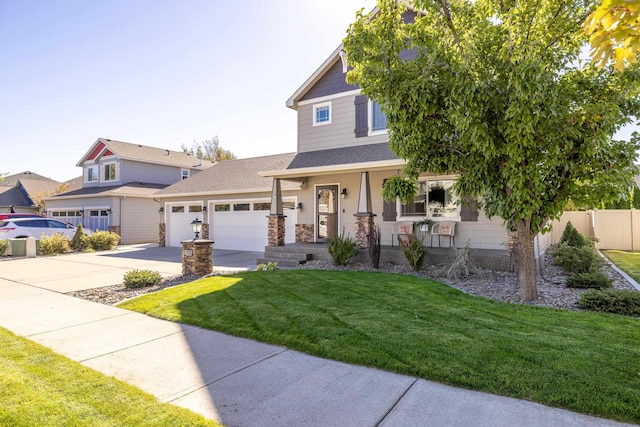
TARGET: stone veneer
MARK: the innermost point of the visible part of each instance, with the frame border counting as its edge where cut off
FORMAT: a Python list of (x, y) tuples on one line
[(197, 257), (276, 230), (205, 231), (115, 229), (162, 234), (364, 224), (304, 233)]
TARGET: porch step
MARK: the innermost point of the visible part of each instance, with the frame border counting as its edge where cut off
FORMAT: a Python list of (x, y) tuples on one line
[(284, 257)]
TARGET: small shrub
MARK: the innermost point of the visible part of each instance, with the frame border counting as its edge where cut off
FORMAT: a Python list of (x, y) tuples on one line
[(573, 259), (342, 248), (79, 241), (374, 246), (270, 266), (597, 280), (414, 251), (103, 240), (55, 244), (572, 237), (141, 278), (615, 301), (460, 266), (3, 246)]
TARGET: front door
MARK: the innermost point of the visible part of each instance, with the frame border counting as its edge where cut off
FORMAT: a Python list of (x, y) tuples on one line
[(327, 212)]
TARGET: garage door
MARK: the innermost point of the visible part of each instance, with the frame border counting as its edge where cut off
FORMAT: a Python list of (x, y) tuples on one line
[(242, 225), (179, 217)]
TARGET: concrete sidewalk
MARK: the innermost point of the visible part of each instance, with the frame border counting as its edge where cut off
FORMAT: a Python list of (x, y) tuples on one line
[(236, 381)]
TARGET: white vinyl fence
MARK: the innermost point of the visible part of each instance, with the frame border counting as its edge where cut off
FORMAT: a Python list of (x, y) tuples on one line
[(614, 229)]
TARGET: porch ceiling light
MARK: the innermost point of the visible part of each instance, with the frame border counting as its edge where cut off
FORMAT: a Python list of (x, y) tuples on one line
[(196, 224)]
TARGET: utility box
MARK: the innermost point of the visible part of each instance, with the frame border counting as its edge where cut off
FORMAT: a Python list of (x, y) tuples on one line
[(17, 247)]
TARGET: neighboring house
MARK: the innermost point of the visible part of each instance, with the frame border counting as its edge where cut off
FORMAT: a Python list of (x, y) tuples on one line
[(23, 191), (118, 182), (336, 177)]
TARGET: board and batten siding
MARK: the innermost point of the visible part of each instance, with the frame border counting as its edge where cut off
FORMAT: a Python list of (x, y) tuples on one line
[(337, 134)]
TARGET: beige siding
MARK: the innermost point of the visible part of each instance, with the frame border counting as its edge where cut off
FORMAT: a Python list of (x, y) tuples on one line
[(139, 220), (338, 134)]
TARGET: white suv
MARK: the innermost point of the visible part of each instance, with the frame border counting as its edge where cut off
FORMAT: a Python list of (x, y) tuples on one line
[(35, 227)]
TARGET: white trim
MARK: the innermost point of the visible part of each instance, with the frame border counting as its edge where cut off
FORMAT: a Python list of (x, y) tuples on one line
[(317, 107), (182, 171), (316, 225), (94, 166), (117, 171), (328, 170), (330, 97)]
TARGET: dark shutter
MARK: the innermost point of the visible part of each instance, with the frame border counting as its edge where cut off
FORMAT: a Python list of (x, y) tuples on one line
[(469, 210), (389, 212), (362, 122)]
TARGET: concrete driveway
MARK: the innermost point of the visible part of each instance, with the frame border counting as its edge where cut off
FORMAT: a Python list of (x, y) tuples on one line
[(68, 273)]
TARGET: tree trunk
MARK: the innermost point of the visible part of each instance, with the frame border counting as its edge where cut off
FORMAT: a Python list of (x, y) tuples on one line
[(526, 262)]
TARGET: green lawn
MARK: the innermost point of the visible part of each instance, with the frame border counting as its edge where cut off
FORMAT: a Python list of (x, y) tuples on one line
[(627, 261), (586, 362), (41, 388)]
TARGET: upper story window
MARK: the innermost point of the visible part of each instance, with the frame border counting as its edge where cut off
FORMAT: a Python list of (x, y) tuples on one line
[(322, 114), (110, 172), (185, 173), (435, 199), (378, 119), (92, 174)]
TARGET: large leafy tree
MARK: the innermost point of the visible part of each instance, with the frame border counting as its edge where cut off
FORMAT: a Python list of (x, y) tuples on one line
[(493, 91)]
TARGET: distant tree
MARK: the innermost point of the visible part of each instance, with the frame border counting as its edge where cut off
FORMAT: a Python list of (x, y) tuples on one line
[(209, 149), (38, 197), (614, 32), (494, 92)]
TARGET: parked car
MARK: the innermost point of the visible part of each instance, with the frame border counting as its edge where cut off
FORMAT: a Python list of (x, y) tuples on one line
[(6, 216), (35, 227)]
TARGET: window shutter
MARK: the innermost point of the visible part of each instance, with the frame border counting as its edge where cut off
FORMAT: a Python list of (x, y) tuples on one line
[(389, 212), (362, 125), (468, 210)]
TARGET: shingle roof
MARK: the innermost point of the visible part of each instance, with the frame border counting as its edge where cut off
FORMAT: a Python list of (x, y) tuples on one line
[(343, 156), (143, 153), (13, 179), (239, 175), (13, 196), (130, 189), (41, 186)]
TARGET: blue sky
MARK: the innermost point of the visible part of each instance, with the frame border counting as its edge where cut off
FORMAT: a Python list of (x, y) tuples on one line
[(156, 72)]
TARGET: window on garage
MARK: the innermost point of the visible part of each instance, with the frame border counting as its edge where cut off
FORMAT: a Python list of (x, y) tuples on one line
[(241, 207), (222, 207), (195, 208), (177, 209), (263, 206)]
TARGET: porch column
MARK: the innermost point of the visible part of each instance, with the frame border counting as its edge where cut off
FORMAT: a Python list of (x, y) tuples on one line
[(276, 228), (364, 217), (162, 229), (205, 221)]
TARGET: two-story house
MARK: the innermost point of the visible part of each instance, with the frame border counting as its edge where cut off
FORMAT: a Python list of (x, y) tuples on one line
[(332, 183), (118, 183)]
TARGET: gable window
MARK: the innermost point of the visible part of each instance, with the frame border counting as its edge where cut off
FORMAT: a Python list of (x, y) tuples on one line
[(110, 172), (322, 114), (185, 173), (435, 199), (92, 173), (378, 119)]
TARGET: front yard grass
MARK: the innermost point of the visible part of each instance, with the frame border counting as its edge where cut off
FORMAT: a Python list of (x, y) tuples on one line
[(627, 261), (41, 388), (586, 362)]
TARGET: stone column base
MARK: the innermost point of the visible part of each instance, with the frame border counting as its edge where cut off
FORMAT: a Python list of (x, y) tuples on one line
[(205, 231), (276, 230), (364, 225), (162, 234)]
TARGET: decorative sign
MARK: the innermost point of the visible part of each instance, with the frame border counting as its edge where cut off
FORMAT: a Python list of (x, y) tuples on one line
[(188, 252)]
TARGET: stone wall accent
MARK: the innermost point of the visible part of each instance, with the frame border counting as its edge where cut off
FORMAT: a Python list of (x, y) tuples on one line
[(197, 257), (205, 231), (305, 233), (115, 229), (276, 230), (162, 234), (364, 223)]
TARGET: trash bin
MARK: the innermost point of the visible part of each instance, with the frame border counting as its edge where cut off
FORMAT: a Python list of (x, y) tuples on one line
[(17, 247)]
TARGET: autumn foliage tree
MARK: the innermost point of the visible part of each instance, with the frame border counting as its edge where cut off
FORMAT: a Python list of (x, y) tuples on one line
[(209, 149), (494, 92)]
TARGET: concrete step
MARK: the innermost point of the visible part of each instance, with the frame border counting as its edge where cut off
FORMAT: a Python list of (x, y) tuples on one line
[(282, 262), (301, 256)]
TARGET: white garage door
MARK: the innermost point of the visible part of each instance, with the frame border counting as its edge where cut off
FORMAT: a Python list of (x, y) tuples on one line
[(179, 217), (242, 225)]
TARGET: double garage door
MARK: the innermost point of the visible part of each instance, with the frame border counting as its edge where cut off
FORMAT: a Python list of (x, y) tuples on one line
[(235, 225)]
